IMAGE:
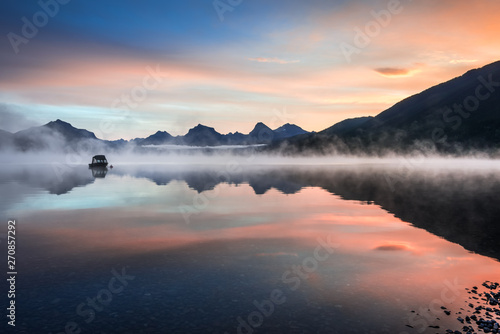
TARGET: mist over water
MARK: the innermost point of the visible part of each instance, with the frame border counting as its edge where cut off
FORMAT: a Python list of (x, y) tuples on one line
[(243, 156)]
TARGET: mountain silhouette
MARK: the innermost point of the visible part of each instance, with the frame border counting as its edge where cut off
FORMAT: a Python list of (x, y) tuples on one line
[(346, 125), (159, 138), (63, 136), (53, 135), (457, 116), (288, 130), (236, 138), (261, 134), (205, 136), (202, 135), (68, 131)]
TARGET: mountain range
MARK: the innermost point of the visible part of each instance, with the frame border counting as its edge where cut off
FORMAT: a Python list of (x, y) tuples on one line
[(458, 116), (61, 135), (202, 135)]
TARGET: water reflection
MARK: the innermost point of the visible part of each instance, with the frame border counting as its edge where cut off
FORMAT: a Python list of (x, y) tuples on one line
[(459, 205), (99, 172), (53, 179), (248, 233)]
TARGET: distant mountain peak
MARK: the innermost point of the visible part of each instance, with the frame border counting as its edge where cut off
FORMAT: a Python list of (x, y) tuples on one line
[(68, 131), (159, 138), (261, 133), (201, 127), (289, 130), (58, 122), (287, 126), (260, 126), (203, 136)]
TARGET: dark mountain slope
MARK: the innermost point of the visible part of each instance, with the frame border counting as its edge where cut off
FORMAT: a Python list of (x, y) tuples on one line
[(202, 135), (68, 131), (346, 125), (464, 111), (453, 117), (57, 135)]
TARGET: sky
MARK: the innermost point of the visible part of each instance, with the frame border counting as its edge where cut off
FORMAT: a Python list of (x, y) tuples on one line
[(126, 69)]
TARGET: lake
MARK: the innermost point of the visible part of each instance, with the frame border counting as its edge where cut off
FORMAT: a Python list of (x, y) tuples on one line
[(328, 248)]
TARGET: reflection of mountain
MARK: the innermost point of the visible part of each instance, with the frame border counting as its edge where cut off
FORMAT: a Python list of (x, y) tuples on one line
[(208, 179), (462, 207), (56, 180)]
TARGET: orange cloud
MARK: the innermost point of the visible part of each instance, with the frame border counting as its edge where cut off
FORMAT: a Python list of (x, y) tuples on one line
[(388, 71), (392, 247)]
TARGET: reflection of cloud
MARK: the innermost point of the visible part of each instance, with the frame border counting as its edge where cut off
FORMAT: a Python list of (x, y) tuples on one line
[(392, 247), (273, 60)]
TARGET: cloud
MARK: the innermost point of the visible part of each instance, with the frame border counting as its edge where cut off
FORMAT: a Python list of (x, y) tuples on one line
[(13, 121), (461, 61), (391, 247), (392, 71), (273, 60), (400, 71)]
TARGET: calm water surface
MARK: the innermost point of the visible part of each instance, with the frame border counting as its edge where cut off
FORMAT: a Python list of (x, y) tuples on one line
[(310, 249)]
